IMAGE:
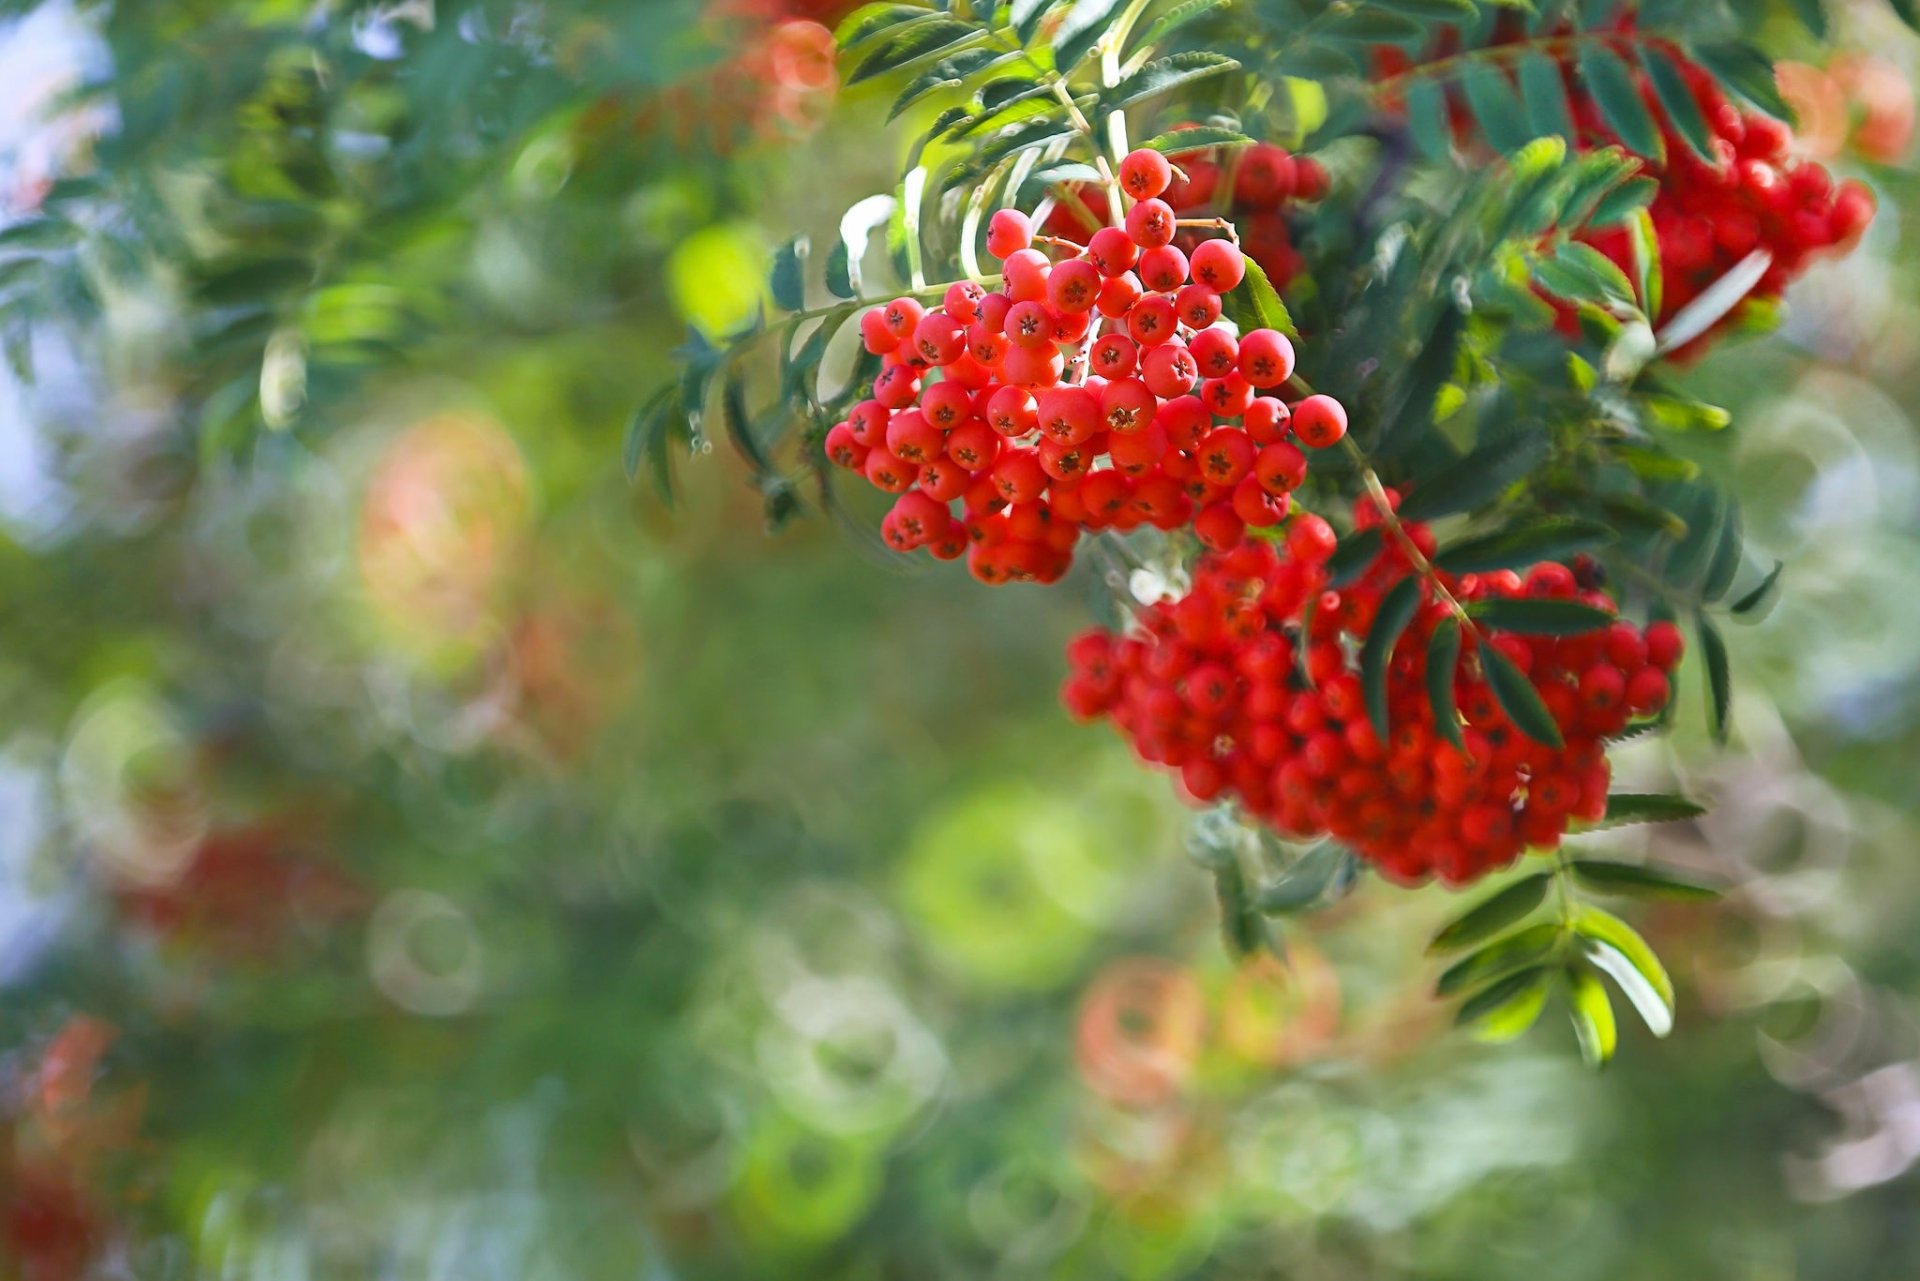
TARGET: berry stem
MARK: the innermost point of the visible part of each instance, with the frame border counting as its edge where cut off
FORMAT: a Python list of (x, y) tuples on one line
[(1215, 224), (1115, 212)]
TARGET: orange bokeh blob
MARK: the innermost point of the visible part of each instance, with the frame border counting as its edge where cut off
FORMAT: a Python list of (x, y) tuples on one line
[(1141, 1027)]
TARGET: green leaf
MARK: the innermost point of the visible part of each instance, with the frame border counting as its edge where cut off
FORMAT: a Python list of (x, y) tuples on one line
[(1713, 651), (1518, 698), (1611, 83), (1163, 74), (1351, 558), (1524, 545), (1500, 958), (1592, 1014), (647, 439), (1677, 100), (1395, 612), (920, 40), (1491, 97), (1748, 72), (1616, 205), (1508, 1008), (1479, 478), (1648, 281), (1487, 918), (1641, 880), (1255, 304), (1754, 599), (1025, 16), (1242, 927), (1625, 809), (1174, 19), (1080, 31), (1543, 91), (1614, 946), (1539, 616), (1306, 882), (1443, 662), (871, 20), (1731, 547), (788, 283), (1427, 120), (1177, 141), (1813, 16)]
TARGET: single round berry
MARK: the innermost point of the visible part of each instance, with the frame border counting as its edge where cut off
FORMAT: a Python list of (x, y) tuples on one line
[(1320, 422), (1266, 358), (1151, 223), (1219, 265), (1008, 230), (1145, 173)]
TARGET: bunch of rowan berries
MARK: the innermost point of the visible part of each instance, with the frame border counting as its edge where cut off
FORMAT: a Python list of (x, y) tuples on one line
[(1251, 186), (1754, 194), (1100, 391), (1248, 687)]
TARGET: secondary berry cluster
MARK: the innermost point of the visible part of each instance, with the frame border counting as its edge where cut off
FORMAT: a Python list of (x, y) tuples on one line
[(1752, 194), (1248, 687), (1098, 391), (1252, 187)]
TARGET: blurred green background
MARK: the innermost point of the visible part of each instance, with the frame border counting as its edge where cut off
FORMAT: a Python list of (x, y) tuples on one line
[(424, 855)]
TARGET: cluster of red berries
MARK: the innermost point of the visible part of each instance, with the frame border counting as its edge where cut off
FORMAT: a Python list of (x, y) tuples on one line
[(1246, 686), (1160, 416), (1753, 195), (1250, 186)]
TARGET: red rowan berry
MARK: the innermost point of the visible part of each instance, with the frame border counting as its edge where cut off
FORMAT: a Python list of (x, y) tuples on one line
[(1665, 645), (1008, 231), (1112, 252), (1163, 269), (973, 445), (1018, 476), (1152, 321), (1074, 286), (1119, 294), (1113, 356), (1145, 173), (1311, 539), (843, 450), (1151, 223), (1280, 468), (1127, 406), (1219, 265), (1215, 352), (1169, 370), (889, 473), (1266, 358), (1197, 306), (1320, 421)]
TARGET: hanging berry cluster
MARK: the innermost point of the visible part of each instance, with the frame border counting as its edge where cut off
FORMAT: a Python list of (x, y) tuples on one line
[(1751, 194), (1095, 392), (1253, 187), (1248, 687)]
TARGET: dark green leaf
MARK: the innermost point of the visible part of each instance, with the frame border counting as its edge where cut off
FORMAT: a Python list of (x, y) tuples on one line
[(1255, 304), (1494, 104), (839, 280), (1518, 698), (921, 40), (1634, 194), (1396, 611), (647, 440), (1306, 882), (1641, 880), (788, 284), (1611, 84), (1176, 141), (1747, 72), (1627, 808), (1478, 478), (1543, 90), (871, 20), (1443, 662), (1485, 919), (1727, 554), (1538, 616), (1025, 16), (1524, 545), (1754, 599), (1163, 74), (1351, 558), (1080, 31), (1713, 652), (1427, 120), (1500, 958), (1174, 19), (1677, 100)]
